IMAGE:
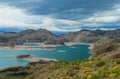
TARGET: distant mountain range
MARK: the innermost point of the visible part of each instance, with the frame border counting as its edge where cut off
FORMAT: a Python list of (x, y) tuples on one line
[(45, 36), (2, 30)]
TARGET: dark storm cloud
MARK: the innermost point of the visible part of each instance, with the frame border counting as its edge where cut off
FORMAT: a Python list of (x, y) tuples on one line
[(62, 9)]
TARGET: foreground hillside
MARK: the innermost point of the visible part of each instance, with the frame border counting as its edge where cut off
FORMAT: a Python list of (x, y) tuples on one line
[(105, 64)]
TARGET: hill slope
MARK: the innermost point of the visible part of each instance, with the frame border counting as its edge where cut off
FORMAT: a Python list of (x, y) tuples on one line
[(90, 36), (30, 36)]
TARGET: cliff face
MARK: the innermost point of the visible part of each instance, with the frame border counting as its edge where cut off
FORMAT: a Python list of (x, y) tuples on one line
[(105, 65)]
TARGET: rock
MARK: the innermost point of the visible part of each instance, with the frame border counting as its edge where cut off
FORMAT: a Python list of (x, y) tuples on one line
[(20, 57), (34, 63)]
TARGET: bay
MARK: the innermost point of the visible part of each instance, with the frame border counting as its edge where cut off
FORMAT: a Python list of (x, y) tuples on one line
[(67, 53)]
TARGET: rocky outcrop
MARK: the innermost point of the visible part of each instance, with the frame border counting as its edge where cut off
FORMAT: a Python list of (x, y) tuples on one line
[(21, 57)]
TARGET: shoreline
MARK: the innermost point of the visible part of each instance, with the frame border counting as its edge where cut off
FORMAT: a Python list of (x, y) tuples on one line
[(34, 59), (42, 47), (74, 43), (23, 47)]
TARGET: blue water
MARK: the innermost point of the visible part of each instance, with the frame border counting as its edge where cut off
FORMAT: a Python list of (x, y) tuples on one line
[(80, 52)]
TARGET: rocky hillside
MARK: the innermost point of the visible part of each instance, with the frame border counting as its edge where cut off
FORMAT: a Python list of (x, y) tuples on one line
[(39, 35), (105, 65), (90, 36), (42, 35), (29, 36), (105, 45)]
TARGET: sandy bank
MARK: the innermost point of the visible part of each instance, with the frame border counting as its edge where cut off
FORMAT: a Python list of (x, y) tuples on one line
[(41, 46), (73, 43), (23, 47), (17, 47)]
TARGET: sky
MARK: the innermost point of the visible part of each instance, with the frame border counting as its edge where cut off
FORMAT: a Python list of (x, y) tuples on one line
[(60, 15)]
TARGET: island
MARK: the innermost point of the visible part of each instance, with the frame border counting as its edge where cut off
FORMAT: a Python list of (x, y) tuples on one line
[(32, 58)]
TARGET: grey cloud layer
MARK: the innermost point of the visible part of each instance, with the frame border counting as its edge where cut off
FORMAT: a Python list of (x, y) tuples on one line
[(62, 9)]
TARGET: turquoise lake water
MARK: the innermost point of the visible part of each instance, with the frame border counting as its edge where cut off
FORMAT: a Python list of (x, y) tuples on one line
[(78, 52)]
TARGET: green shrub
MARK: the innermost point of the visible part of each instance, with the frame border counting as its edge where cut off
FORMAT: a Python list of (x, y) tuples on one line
[(117, 61), (112, 75), (100, 63)]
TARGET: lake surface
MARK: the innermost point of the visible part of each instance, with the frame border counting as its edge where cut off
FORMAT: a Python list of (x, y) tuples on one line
[(77, 52)]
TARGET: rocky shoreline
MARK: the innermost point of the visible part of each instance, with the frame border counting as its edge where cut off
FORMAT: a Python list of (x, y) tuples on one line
[(24, 47), (43, 46)]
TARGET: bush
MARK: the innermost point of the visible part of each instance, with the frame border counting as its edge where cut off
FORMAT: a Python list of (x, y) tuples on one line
[(118, 61), (67, 77), (100, 63), (115, 70), (89, 77), (112, 75)]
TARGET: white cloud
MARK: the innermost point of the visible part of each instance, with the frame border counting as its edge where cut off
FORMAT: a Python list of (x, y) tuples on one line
[(11, 17), (103, 18)]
